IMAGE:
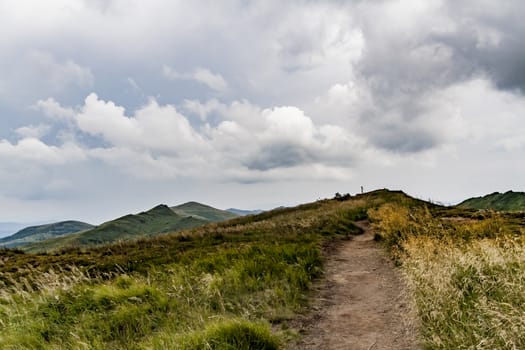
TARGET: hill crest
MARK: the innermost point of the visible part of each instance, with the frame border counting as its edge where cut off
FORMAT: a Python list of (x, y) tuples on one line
[(155, 221), (203, 211), (508, 201)]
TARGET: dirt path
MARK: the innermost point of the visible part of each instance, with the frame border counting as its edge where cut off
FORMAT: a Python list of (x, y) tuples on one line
[(360, 305)]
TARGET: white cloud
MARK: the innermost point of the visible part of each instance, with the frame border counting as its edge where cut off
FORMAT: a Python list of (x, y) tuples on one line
[(152, 128), (105, 119), (33, 150), (247, 144), (201, 75), (282, 137), (33, 131), (213, 81), (202, 109), (475, 112), (58, 75), (53, 109)]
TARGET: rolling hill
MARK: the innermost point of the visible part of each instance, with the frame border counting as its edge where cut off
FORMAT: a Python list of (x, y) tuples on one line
[(181, 290), (158, 220), (247, 283), (202, 211), (38, 233), (508, 201)]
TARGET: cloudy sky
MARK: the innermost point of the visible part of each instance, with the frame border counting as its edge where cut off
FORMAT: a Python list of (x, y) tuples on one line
[(111, 107)]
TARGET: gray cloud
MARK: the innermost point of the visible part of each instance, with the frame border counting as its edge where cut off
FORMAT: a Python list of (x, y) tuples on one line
[(201, 75), (419, 49), (265, 93), (279, 156)]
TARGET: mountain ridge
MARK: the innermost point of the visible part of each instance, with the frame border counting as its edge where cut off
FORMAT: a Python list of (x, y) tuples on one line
[(36, 233), (155, 221), (203, 211), (508, 201)]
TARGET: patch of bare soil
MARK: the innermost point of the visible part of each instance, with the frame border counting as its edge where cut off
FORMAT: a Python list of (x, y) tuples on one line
[(360, 304)]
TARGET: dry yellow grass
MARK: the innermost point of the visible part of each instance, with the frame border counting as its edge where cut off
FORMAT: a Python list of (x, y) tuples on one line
[(466, 277)]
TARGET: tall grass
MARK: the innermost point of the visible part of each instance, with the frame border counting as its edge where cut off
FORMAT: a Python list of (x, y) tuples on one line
[(467, 277), (221, 286), (257, 282), (470, 295)]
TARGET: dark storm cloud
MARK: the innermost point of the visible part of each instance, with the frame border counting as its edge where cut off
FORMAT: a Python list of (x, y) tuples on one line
[(490, 35), (436, 45), (283, 155), (404, 140), (278, 156), (460, 39)]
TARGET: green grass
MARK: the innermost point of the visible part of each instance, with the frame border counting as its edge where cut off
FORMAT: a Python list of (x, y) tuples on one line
[(155, 221), (202, 211), (240, 284), (225, 335), (158, 220), (229, 285), (508, 201)]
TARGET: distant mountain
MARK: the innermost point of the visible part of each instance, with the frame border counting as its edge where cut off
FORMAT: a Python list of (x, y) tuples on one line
[(158, 220), (242, 212), (508, 201), (38, 233), (202, 211)]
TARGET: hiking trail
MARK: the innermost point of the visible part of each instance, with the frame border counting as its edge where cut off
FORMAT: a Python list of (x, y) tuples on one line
[(360, 302)]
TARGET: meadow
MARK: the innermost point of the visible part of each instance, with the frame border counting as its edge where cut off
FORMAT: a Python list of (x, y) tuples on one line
[(241, 283), (230, 285), (465, 272)]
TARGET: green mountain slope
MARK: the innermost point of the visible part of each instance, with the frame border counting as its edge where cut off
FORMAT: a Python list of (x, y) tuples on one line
[(33, 234), (508, 201), (245, 283), (160, 219), (203, 211)]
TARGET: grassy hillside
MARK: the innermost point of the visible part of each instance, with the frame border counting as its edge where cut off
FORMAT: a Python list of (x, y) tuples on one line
[(508, 201), (160, 219), (240, 284), (203, 212), (41, 232), (220, 286)]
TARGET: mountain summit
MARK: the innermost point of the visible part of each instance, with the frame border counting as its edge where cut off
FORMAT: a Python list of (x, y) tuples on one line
[(202, 211)]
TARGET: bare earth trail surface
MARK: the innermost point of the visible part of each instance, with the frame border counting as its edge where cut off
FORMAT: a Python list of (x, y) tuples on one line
[(361, 305)]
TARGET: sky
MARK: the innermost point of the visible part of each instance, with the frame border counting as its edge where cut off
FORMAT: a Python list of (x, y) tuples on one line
[(112, 107)]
